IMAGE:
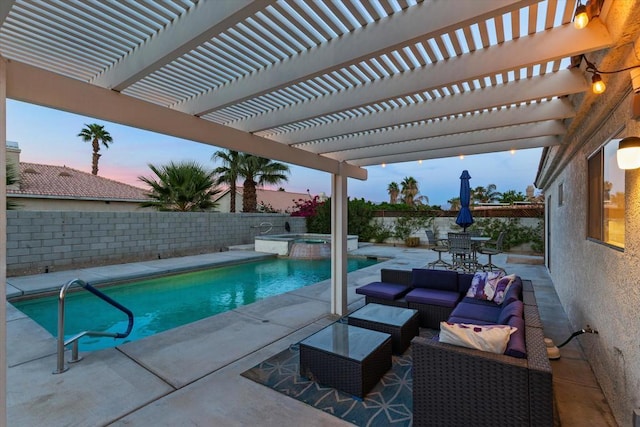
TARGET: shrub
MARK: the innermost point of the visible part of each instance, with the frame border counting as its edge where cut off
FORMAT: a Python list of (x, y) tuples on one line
[(407, 225), (318, 214), (380, 232), (515, 233)]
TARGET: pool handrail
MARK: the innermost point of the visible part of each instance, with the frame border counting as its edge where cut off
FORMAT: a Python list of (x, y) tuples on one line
[(60, 368)]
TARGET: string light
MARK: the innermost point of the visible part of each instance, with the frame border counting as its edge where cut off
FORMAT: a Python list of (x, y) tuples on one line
[(597, 85), (581, 18)]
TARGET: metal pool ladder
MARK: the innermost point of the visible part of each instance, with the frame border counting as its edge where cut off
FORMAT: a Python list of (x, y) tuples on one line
[(74, 339)]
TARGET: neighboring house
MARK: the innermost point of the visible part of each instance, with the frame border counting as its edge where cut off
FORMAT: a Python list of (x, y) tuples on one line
[(60, 188), (273, 200)]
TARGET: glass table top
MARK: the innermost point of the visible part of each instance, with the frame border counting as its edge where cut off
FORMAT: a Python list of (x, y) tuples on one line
[(388, 315), (345, 340)]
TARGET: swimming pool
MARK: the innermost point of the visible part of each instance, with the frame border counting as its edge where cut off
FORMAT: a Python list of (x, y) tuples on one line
[(163, 303)]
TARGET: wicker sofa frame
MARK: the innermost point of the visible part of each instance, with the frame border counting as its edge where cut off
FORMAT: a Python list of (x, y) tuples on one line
[(429, 315), (460, 386)]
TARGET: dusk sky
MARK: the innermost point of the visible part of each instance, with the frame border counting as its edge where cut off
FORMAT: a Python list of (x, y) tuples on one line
[(49, 136)]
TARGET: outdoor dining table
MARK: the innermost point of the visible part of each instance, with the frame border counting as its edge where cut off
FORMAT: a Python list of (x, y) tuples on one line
[(476, 242), (479, 239)]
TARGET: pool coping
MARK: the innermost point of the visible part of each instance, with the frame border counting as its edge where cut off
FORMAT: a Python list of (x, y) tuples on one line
[(21, 286)]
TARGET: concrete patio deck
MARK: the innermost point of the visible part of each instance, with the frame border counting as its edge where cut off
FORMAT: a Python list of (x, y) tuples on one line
[(191, 375)]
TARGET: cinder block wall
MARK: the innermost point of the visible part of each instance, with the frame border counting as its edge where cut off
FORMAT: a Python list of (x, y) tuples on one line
[(38, 241)]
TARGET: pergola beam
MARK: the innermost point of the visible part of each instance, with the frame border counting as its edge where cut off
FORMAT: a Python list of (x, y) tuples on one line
[(553, 44), (200, 24), (556, 109), (30, 84), (561, 83), (492, 147), (5, 7), (460, 140), (390, 33)]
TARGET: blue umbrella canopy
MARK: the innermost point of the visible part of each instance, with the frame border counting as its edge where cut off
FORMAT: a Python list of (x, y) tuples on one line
[(464, 218)]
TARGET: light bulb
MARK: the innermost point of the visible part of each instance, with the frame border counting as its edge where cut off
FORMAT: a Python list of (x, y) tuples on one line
[(581, 18), (597, 85)]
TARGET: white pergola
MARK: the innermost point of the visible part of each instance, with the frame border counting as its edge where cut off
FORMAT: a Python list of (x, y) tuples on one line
[(333, 85)]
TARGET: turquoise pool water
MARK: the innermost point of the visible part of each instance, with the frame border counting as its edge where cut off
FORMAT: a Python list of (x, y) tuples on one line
[(166, 302)]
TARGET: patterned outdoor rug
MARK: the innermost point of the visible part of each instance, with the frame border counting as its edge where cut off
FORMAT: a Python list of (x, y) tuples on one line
[(390, 402)]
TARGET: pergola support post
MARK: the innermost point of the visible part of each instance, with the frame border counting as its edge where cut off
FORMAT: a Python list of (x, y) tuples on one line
[(338, 244), (3, 242)]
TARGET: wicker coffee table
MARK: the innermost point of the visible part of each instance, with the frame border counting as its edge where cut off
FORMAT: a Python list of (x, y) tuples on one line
[(401, 323), (346, 357)]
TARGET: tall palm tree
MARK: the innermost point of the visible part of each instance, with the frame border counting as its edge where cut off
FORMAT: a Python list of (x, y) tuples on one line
[(409, 190), (228, 172), (258, 171), (182, 187), (393, 191), (96, 134)]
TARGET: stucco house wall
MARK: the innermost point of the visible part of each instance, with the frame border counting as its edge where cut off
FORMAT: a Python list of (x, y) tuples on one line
[(596, 283), (280, 201)]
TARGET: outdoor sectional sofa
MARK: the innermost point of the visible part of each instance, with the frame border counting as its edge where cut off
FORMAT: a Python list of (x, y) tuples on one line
[(454, 385)]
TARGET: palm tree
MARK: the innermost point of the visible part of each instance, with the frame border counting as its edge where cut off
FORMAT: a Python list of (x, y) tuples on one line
[(11, 178), (409, 190), (455, 203), (258, 171), (96, 134), (228, 172), (421, 200), (393, 191), (181, 187), (485, 195)]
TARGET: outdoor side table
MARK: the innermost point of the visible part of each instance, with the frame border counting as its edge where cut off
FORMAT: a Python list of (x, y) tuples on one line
[(401, 323), (346, 357)]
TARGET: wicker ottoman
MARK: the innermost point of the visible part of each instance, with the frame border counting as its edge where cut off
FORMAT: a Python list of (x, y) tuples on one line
[(346, 357), (401, 323)]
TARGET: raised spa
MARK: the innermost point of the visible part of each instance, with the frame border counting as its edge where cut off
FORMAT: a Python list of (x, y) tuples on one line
[(301, 246)]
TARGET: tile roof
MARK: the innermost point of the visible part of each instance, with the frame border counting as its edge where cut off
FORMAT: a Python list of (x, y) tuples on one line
[(64, 182)]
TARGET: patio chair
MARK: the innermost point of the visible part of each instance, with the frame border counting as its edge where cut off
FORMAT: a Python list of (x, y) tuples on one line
[(462, 253), (490, 248), (439, 246)]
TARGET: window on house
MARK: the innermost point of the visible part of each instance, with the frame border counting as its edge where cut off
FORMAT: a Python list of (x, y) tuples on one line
[(560, 194), (606, 196)]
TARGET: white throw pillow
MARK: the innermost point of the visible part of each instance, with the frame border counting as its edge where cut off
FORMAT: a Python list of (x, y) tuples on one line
[(491, 338)]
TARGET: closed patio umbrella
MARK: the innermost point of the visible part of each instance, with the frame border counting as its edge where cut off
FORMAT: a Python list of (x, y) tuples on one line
[(464, 218)]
